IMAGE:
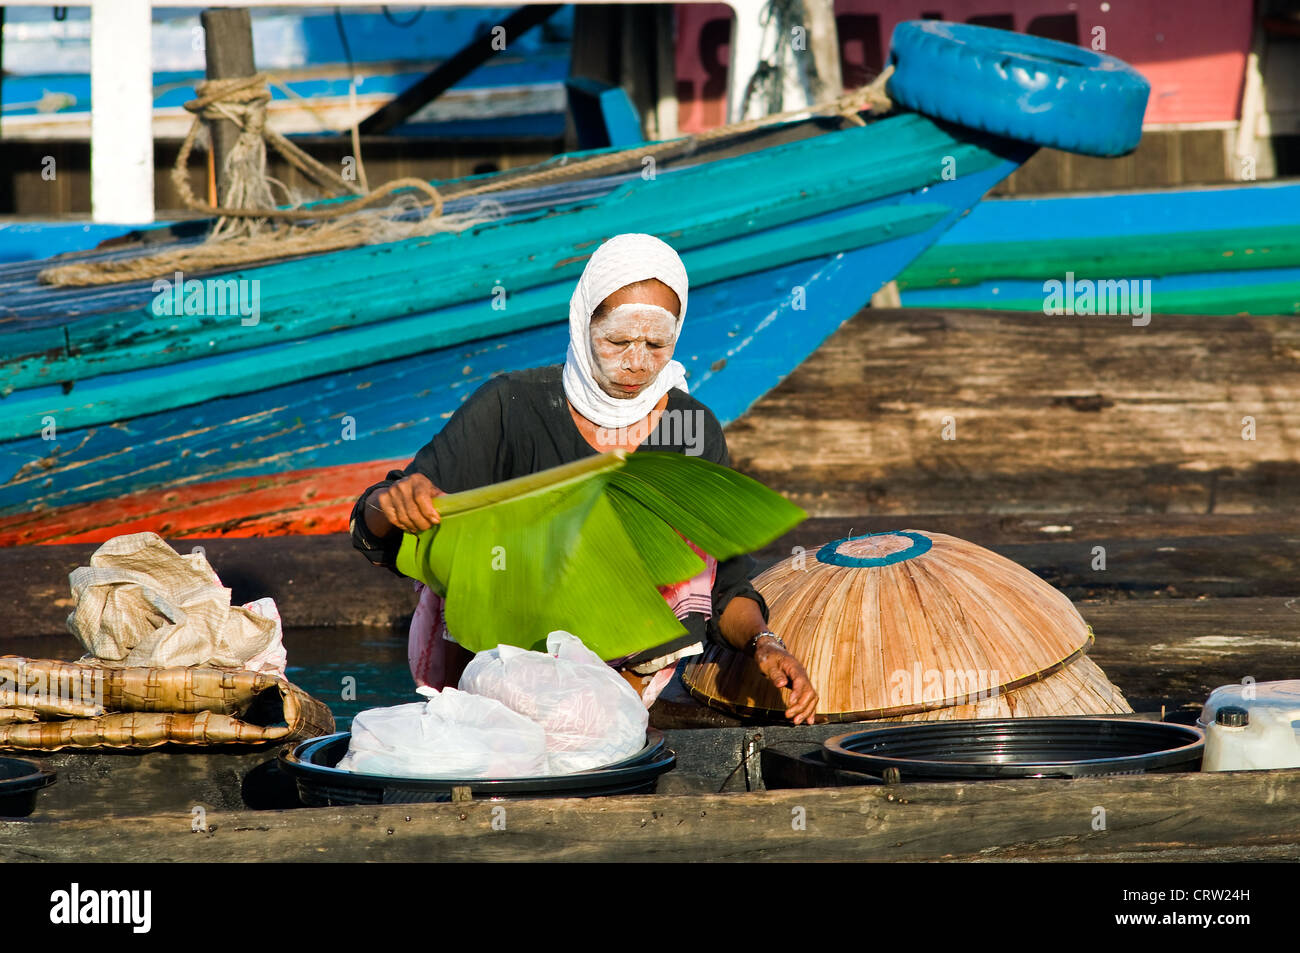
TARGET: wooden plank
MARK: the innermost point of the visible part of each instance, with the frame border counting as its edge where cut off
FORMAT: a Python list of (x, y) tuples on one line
[(303, 573), (1099, 558), (1082, 414), (175, 780), (1189, 567), (315, 581), (1252, 813), (1176, 651), (183, 369), (96, 785), (1000, 531), (710, 204), (305, 502), (1236, 294)]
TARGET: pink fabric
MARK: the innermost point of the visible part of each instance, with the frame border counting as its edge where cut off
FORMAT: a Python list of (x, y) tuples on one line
[(426, 646), (658, 682), (694, 594)]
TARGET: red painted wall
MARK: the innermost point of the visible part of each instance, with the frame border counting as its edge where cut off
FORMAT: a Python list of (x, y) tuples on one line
[(1192, 51)]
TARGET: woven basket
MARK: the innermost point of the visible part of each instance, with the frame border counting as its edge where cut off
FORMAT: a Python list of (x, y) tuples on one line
[(910, 625), (147, 707)]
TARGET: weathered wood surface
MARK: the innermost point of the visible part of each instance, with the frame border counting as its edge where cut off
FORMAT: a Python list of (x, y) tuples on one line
[(1161, 653), (109, 784), (315, 581), (1175, 652), (322, 581), (1051, 415), (173, 781), (1253, 815)]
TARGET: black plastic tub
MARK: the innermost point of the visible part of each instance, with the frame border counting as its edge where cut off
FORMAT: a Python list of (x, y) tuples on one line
[(20, 781), (320, 784), (1019, 748)]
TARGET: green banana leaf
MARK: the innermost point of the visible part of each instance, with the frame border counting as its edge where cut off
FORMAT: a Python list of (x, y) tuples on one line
[(583, 546)]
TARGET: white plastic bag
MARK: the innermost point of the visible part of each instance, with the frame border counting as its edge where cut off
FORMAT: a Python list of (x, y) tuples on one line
[(452, 735), (592, 716)]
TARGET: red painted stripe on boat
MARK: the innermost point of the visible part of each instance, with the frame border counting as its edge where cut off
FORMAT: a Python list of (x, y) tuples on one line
[(297, 502)]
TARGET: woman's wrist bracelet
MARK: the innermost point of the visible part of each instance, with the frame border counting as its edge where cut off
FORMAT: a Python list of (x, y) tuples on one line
[(751, 647)]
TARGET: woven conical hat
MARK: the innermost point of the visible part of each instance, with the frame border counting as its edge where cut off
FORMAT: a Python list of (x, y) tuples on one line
[(899, 623), (1080, 688)]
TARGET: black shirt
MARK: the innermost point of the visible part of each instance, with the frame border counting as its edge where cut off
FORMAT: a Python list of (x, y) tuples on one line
[(519, 423)]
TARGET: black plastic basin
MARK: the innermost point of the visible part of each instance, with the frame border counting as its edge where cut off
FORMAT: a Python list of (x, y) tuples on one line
[(19, 783), (320, 784), (1019, 748)]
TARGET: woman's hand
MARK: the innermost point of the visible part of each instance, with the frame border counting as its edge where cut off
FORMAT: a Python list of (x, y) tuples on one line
[(406, 504), (740, 622), (786, 671)]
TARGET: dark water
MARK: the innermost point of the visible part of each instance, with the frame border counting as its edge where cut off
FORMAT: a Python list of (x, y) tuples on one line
[(348, 668)]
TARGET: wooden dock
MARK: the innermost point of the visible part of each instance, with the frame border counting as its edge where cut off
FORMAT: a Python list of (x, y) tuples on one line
[(1048, 415), (1071, 434)]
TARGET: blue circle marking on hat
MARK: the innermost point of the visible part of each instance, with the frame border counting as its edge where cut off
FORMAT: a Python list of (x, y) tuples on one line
[(831, 554)]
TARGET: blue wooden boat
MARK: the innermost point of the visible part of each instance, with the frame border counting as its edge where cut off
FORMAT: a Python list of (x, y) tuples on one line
[(120, 417), (1219, 250)]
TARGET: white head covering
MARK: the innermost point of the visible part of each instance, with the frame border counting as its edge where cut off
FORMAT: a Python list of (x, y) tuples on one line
[(622, 260)]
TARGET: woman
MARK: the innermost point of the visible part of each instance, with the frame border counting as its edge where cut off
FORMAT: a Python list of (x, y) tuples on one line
[(618, 388)]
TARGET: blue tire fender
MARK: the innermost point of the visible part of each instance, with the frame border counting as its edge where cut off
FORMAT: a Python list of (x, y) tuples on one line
[(1017, 86)]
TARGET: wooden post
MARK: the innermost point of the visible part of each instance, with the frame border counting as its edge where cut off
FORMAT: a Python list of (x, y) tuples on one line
[(824, 47), (228, 40)]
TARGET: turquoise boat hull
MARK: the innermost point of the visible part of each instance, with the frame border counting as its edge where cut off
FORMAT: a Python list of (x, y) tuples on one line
[(1219, 250), (358, 357)]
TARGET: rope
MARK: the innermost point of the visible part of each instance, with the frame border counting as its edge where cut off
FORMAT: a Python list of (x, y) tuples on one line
[(244, 234), (871, 96), (243, 102)]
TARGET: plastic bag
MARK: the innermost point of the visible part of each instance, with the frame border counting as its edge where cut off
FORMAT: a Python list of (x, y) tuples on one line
[(591, 715), (452, 735), (142, 604)]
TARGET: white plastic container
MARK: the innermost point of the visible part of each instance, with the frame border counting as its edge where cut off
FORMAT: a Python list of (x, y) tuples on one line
[(1252, 727)]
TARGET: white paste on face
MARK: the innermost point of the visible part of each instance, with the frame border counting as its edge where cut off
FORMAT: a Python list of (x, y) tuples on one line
[(630, 346)]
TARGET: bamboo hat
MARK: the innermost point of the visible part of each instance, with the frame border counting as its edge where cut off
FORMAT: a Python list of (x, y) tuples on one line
[(905, 623)]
